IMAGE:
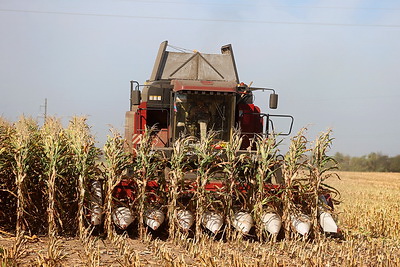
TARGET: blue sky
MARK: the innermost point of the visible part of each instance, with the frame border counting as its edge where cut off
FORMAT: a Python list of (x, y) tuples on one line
[(335, 64)]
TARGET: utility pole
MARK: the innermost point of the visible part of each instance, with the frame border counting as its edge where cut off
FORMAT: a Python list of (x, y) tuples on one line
[(45, 110)]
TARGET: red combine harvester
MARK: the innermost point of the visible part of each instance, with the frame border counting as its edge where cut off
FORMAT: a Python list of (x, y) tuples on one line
[(190, 94)]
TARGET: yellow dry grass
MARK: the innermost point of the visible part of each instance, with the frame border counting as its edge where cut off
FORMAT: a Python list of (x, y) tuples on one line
[(370, 204), (369, 216)]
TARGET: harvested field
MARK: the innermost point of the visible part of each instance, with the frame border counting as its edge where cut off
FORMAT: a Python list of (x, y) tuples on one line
[(368, 216)]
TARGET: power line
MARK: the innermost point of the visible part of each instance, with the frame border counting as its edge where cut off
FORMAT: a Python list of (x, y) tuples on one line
[(205, 20), (260, 5)]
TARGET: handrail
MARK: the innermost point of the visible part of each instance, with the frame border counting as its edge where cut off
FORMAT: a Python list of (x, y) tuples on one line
[(268, 121)]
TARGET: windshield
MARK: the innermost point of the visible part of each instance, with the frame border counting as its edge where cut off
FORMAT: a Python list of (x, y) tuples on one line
[(197, 113)]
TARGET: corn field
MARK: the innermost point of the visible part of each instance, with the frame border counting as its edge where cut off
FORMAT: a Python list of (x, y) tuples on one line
[(56, 184)]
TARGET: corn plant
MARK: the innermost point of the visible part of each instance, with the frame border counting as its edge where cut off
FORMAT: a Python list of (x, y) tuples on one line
[(81, 144), (7, 179), (146, 166), (231, 167), (294, 162), (267, 150), (67, 192), (320, 167), (54, 148), (20, 154), (22, 140), (117, 160), (179, 163), (206, 160)]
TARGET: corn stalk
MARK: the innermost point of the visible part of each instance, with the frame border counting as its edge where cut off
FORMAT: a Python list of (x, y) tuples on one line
[(22, 141), (294, 162), (7, 179), (231, 167), (117, 160), (320, 168), (206, 160), (145, 166), (179, 163), (267, 150), (54, 148), (81, 144)]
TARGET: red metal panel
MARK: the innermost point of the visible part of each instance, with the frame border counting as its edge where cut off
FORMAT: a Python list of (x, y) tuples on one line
[(125, 190), (140, 118), (161, 138)]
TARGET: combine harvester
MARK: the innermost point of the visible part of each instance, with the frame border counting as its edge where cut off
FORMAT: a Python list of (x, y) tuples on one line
[(190, 94)]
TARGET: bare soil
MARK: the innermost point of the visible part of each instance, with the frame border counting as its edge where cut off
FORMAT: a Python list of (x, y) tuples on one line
[(73, 251)]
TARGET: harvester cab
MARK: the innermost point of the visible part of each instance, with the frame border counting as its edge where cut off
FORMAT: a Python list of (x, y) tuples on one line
[(197, 112), (193, 93)]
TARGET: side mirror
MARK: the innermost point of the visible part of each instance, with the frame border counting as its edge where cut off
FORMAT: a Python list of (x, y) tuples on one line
[(273, 101), (135, 94), (135, 97)]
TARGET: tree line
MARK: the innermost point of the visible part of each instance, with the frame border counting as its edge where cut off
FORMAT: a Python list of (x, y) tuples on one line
[(373, 162)]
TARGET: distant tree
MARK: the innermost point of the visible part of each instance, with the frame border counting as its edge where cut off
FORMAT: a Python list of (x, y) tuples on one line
[(358, 164), (373, 162), (343, 161), (394, 164)]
